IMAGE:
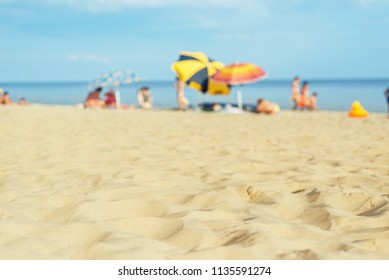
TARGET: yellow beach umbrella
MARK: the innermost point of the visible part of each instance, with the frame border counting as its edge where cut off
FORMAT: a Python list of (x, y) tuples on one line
[(195, 69)]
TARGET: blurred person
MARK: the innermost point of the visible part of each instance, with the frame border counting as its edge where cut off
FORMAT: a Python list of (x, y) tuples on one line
[(304, 97), (23, 101), (110, 99), (5, 99), (216, 107), (93, 99), (295, 92), (267, 107), (312, 103), (181, 99), (145, 99)]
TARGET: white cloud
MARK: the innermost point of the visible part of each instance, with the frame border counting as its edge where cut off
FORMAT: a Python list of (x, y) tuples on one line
[(88, 57)]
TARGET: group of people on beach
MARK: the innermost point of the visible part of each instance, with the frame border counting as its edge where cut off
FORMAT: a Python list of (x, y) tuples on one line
[(144, 98), (5, 99), (301, 98), (93, 99)]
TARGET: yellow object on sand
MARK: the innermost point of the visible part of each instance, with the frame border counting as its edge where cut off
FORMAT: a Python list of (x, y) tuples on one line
[(357, 111)]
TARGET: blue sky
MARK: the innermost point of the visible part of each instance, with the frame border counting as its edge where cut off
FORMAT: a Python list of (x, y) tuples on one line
[(77, 40)]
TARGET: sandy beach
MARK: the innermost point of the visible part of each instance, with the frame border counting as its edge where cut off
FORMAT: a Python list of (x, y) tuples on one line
[(104, 184)]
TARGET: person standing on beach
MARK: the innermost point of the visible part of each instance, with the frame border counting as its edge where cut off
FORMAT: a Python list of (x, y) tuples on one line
[(304, 97), (295, 92), (181, 100), (387, 98)]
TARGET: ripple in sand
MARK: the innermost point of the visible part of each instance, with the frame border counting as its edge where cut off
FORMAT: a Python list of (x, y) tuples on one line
[(374, 207), (57, 215), (155, 228), (299, 255), (373, 230), (49, 236), (125, 208), (346, 201), (241, 237), (358, 226)]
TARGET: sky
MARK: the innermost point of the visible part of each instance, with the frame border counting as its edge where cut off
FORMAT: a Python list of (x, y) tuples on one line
[(78, 40)]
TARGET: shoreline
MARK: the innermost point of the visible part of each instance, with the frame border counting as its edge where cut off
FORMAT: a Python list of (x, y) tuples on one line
[(80, 106), (333, 96)]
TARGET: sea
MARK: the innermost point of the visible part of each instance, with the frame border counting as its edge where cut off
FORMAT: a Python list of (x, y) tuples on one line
[(333, 95)]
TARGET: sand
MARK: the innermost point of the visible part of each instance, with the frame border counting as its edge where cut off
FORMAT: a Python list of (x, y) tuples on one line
[(85, 184)]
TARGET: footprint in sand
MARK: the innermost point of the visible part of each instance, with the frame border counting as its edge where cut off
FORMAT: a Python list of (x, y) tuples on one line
[(318, 217), (313, 196)]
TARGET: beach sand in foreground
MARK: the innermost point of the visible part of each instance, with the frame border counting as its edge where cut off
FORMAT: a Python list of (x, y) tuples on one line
[(84, 184)]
